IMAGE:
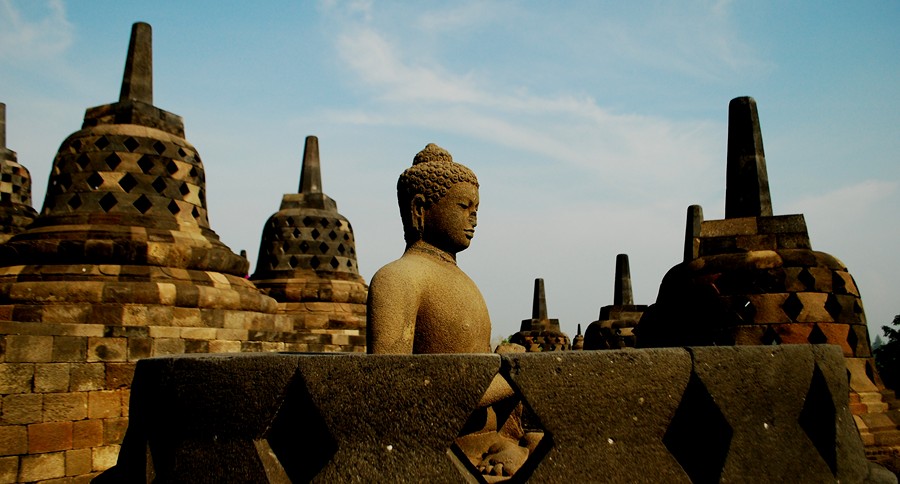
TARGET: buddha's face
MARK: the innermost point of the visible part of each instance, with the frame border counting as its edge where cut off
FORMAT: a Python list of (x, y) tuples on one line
[(450, 223)]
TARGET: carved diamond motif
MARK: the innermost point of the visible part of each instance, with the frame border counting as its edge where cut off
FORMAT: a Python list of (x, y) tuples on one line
[(792, 306), (108, 202), (817, 419), (143, 204), (698, 435), (131, 144), (816, 336), (95, 181), (112, 161), (127, 182)]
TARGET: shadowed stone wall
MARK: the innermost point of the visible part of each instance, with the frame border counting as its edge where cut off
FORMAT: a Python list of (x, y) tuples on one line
[(673, 415)]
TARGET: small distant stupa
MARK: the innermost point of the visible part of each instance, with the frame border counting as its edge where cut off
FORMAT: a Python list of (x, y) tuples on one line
[(615, 327), (540, 333), (307, 261), (16, 212)]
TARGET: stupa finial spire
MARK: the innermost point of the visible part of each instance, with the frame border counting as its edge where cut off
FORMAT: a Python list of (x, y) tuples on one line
[(310, 173), (137, 83), (2, 128), (539, 306), (623, 295), (746, 182)]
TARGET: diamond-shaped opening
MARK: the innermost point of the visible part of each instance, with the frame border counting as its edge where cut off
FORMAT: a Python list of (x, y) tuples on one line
[(202, 195), (62, 182), (307, 221), (131, 144), (314, 262), (146, 164), (184, 189), (101, 142), (857, 307), (112, 161), (334, 263), (143, 204), (816, 336), (346, 237), (193, 172), (95, 181), (744, 309), (315, 234), (286, 246), (852, 339), (792, 306), (323, 248), (74, 202), (341, 248), (870, 371), (160, 147), (474, 452), (195, 213), (304, 247), (771, 337), (296, 233), (83, 161), (173, 207), (181, 152), (76, 144), (273, 262), (289, 222), (349, 263), (817, 419), (159, 184), (332, 235), (127, 182), (108, 202), (298, 437), (324, 222), (807, 279), (838, 285), (172, 167), (698, 435), (293, 262), (833, 306)]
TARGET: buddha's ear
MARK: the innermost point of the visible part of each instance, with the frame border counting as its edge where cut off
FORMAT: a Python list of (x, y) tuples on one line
[(417, 210)]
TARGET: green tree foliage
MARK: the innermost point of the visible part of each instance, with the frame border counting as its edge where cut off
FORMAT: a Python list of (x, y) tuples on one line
[(887, 356)]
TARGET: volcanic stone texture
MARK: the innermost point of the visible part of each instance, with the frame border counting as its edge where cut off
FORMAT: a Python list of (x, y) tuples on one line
[(16, 212), (674, 415)]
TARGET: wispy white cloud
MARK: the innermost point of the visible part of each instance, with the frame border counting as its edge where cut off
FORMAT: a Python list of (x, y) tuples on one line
[(37, 37)]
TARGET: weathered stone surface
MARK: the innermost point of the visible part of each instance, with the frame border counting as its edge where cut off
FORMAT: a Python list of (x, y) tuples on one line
[(260, 418)]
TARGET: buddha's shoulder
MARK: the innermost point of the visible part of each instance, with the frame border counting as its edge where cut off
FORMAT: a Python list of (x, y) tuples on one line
[(405, 270)]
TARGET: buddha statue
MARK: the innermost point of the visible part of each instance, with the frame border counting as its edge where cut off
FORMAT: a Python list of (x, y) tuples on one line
[(424, 303)]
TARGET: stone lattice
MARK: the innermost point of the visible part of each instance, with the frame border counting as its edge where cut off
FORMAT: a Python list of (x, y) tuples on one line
[(16, 212), (753, 279), (307, 260), (540, 333)]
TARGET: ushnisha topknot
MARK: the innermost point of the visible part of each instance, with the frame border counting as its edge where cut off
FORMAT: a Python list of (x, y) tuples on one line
[(432, 174)]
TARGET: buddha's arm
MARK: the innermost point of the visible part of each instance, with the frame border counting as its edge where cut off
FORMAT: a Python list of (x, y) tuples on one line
[(391, 312)]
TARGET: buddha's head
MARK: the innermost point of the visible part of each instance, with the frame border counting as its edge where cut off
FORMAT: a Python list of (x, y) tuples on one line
[(438, 201)]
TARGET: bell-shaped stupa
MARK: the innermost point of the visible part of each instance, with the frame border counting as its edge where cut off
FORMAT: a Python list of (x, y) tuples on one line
[(615, 327), (16, 212), (753, 279), (540, 333), (307, 260), (124, 223)]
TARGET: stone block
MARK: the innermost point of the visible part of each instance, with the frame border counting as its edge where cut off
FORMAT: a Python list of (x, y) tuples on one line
[(87, 433), (29, 348), (107, 314), (167, 346), (87, 376), (164, 332), (198, 333), (51, 377), (13, 439), (196, 346), (114, 430), (60, 407), (16, 377), (119, 375), (78, 462), (136, 315), (67, 313), (782, 224), (9, 469), (39, 467), (22, 408), (139, 348), (104, 457), (107, 349), (104, 404), (69, 349), (220, 346), (49, 437), (729, 227), (186, 316)]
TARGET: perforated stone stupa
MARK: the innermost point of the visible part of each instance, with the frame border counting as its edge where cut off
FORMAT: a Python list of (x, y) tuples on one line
[(753, 279), (125, 223), (16, 211), (307, 262), (615, 327), (540, 333)]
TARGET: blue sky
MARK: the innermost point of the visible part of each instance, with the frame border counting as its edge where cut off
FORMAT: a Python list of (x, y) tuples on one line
[(592, 126)]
